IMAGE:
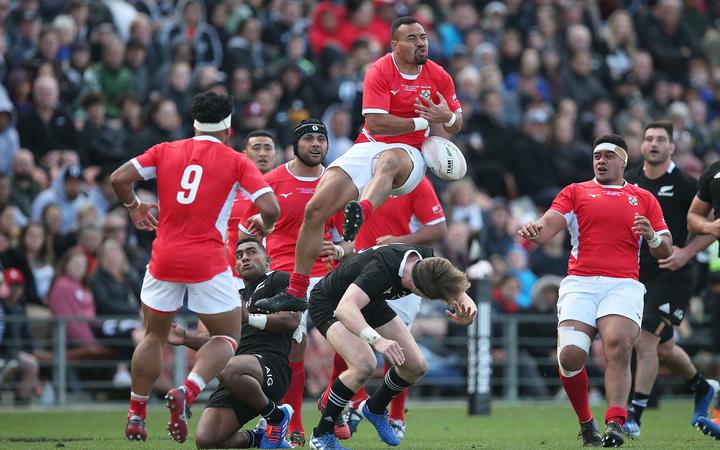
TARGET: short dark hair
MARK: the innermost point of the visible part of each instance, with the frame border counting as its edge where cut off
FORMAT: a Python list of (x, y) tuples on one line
[(253, 240), (210, 107), (664, 124), (92, 99), (258, 133), (613, 139), (400, 21)]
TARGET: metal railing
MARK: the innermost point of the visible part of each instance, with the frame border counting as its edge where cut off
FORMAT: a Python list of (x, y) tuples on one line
[(508, 386)]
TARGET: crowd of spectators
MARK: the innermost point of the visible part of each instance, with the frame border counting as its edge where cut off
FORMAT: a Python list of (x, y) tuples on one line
[(87, 84)]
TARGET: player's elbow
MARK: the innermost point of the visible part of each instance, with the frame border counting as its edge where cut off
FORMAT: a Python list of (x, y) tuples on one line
[(374, 125)]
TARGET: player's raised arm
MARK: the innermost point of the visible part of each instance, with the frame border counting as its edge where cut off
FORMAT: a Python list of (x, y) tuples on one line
[(543, 229)]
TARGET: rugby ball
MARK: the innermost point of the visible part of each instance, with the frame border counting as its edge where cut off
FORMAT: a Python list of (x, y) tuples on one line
[(443, 158)]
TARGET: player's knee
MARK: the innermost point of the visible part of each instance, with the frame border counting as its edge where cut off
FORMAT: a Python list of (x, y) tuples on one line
[(572, 351), (363, 369), (617, 347), (314, 212), (389, 164), (414, 370), (231, 375), (665, 351), (205, 439)]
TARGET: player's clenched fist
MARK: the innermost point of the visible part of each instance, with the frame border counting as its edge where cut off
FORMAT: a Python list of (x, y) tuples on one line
[(391, 350), (530, 230)]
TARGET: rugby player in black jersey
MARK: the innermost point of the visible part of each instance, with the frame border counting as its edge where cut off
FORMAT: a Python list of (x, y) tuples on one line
[(258, 375), (668, 282), (349, 307)]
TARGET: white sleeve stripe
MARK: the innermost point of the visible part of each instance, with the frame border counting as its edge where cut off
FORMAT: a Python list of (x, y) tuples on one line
[(373, 111), (243, 229), (663, 231), (148, 173), (559, 213), (254, 196), (435, 221)]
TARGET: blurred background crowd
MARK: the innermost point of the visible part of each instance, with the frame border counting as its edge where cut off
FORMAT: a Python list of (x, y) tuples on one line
[(86, 85)]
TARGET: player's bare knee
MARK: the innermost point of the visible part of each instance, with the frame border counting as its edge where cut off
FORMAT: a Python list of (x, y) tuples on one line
[(205, 439), (363, 369), (389, 164), (314, 212), (413, 370), (665, 351)]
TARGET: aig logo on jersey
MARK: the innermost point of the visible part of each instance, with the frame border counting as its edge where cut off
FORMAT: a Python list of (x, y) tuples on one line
[(632, 200), (268, 376)]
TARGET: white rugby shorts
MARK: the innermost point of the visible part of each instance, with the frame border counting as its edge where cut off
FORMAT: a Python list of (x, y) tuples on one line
[(586, 299), (216, 295), (360, 160)]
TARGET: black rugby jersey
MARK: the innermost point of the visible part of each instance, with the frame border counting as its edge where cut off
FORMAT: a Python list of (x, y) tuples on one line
[(254, 341), (376, 270), (674, 191)]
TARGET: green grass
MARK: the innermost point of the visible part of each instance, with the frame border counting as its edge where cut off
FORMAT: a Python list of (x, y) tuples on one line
[(430, 426)]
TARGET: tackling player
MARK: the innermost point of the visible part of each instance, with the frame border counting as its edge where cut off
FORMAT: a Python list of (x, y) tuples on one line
[(197, 181), (607, 219), (350, 308), (403, 93), (416, 218), (257, 377), (294, 183)]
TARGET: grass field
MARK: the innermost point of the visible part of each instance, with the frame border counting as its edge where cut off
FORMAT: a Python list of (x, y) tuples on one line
[(430, 426)]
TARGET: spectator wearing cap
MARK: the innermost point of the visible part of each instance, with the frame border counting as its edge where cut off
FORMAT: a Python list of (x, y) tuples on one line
[(78, 77), (99, 142), (16, 342), (9, 137), (189, 25), (46, 126), (68, 192), (115, 79)]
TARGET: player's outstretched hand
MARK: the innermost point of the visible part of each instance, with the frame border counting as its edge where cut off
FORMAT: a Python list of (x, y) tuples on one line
[(391, 350), (256, 227), (143, 219), (177, 335), (530, 230), (433, 112), (642, 227), (462, 313)]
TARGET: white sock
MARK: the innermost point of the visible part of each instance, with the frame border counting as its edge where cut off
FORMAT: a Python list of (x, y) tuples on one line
[(197, 379)]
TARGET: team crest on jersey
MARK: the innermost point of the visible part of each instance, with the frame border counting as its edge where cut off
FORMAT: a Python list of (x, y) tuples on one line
[(632, 200), (425, 93)]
